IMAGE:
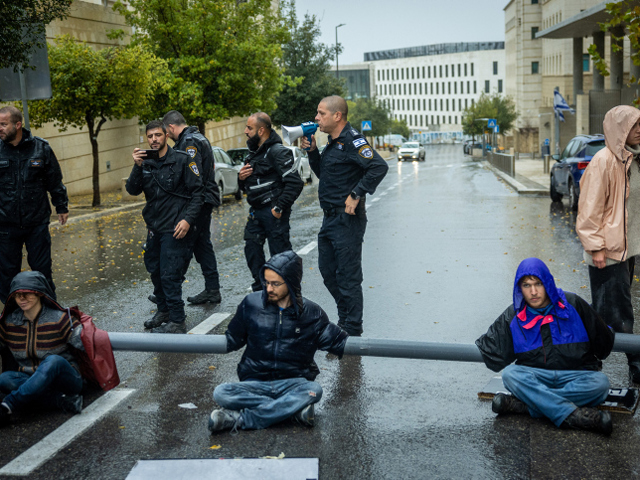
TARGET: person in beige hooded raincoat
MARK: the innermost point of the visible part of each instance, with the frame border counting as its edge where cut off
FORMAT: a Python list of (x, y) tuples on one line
[(608, 222)]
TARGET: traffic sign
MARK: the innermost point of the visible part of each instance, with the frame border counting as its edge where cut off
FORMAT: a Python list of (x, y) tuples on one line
[(546, 141), (491, 123), (366, 125), (496, 129)]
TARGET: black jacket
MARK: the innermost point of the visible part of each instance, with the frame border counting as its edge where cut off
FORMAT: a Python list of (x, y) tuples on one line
[(27, 172), (172, 187), (275, 180), (282, 343), (199, 149), (348, 164)]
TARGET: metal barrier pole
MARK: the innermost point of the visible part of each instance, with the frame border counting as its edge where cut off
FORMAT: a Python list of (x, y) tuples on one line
[(374, 347), (546, 164)]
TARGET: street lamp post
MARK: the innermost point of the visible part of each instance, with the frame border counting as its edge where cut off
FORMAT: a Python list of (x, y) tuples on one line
[(337, 68)]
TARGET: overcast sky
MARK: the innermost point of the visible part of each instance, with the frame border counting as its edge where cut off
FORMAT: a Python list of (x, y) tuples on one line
[(374, 25)]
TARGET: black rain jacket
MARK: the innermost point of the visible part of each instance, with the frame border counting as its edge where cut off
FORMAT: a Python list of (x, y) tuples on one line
[(172, 187), (275, 182), (199, 149), (27, 172), (282, 343)]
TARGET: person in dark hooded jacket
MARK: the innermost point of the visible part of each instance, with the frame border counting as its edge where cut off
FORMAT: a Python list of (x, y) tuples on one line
[(36, 336), (282, 331), (557, 341)]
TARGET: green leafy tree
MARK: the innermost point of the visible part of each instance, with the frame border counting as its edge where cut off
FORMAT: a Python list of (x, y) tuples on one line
[(502, 108), (307, 61), (224, 55), (365, 109), (92, 86), (400, 127), (22, 28)]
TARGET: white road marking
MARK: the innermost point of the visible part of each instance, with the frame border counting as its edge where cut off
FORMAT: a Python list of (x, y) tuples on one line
[(307, 248), (209, 324), (28, 461)]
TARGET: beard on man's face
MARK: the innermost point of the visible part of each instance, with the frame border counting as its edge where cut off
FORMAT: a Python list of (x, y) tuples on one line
[(253, 142)]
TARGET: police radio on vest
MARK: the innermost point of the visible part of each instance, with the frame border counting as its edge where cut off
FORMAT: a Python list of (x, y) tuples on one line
[(291, 134)]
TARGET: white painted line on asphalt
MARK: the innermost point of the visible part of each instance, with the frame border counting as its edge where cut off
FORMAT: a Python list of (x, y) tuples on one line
[(28, 461), (209, 324), (375, 200), (307, 248)]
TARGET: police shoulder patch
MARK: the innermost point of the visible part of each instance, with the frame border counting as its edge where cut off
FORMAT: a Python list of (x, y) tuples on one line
[(194, 168), (358, 142), (366, 152), (192, 151)]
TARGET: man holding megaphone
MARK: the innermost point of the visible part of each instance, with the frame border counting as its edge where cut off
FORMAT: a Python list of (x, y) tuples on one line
[(348, 169), (271, 181)]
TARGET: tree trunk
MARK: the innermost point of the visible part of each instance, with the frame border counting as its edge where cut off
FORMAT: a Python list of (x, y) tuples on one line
[(201, 128), (93, 137)]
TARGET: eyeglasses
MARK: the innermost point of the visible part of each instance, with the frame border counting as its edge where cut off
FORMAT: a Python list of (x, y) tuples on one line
[(273, 284)]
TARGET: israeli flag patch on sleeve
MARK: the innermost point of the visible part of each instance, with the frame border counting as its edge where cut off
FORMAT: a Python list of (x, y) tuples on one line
[(358, 142), (194, 168)]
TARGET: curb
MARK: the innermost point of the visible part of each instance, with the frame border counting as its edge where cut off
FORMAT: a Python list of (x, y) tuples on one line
[(520, 188), (101, 213)]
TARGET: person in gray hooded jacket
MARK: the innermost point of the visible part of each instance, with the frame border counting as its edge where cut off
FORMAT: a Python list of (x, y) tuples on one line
[(282, 331)]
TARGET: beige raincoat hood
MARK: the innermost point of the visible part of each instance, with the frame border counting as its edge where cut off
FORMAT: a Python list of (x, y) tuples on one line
[(604, 188)]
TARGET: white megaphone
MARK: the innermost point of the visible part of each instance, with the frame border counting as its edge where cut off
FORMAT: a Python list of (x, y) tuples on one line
[(291, 134)]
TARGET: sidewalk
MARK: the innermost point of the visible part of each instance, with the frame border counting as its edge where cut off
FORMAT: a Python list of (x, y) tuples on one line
[(530, 178), (111, 202)]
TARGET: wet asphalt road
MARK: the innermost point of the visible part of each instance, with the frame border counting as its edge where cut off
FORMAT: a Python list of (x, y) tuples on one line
[(443, 241)]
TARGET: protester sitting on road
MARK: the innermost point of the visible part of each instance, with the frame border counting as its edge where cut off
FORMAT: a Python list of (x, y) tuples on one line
[(608, 222), (282, 331), (36, 332), (557, 341)]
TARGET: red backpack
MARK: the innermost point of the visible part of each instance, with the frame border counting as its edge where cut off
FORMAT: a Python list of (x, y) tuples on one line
[(97, 364)]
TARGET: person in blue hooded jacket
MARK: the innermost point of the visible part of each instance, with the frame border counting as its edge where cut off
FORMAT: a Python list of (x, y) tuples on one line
[(282, 331), (558, 342)]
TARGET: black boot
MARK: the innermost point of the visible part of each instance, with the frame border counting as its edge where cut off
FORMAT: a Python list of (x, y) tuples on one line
[(152, 298), (256, 286), (634, 373), (508, 404), (171, 327), (212, 296), (158, 319), (590, 419)]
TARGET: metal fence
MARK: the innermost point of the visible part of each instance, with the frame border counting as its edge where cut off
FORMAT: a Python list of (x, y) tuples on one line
[(503, 162), (600, 102)]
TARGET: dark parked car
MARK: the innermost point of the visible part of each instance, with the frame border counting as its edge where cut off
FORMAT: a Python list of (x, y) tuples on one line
[(567, 171)]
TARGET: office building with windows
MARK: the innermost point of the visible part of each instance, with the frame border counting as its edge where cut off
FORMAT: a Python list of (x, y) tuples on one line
[(431, 86)]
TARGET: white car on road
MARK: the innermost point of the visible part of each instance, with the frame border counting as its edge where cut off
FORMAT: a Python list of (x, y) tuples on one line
[(227, 173), (411, 151), (302, 161)]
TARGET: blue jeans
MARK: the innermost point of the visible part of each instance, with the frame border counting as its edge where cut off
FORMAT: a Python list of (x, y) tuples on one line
[(54, 377), (265, 403), (555, 393)]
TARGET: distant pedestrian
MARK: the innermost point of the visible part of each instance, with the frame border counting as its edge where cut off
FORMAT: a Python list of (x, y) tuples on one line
[(557, 342), (28, 170), (190, 140), (282, 331), (271, 181), (173, 190), (608, 222), (348, 169)]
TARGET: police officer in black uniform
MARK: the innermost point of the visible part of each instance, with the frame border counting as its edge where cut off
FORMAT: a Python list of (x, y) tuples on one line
[(348, 169), (173, 188), (271, 181), (190, 140), (28, 170)]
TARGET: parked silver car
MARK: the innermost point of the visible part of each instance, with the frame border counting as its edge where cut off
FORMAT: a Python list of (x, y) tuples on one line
[(411, 151), (302, 159), (227, 173)]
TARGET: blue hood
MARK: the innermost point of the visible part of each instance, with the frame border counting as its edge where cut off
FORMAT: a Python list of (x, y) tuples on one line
[(537, 268), (289, 266)]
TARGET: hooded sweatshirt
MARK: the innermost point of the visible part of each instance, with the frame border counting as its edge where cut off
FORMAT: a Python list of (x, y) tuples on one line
[(603, 207), (570, 336), (30, 342), (281, 343)]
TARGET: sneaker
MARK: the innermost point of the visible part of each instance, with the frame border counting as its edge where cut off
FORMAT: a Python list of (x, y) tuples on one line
[(152, 298), (591, 419), (158, 319), (171, 327), (508, 404), (306, 416), (212, 296), (223, 419), (5, 415), (70, 403)]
